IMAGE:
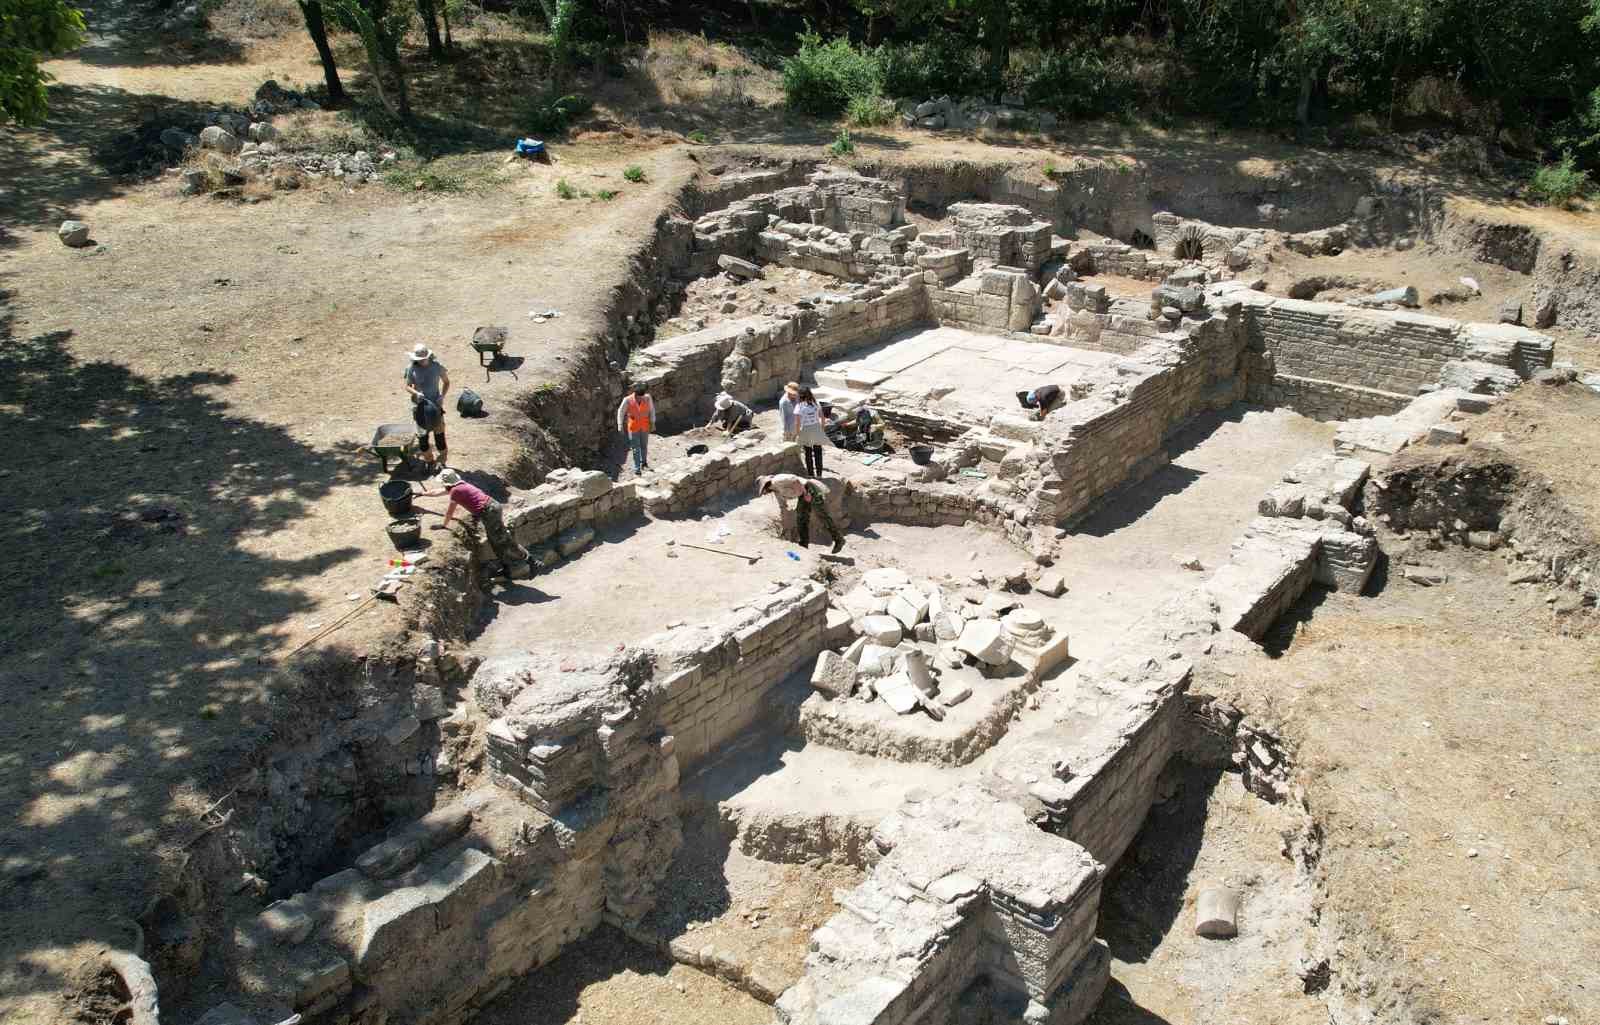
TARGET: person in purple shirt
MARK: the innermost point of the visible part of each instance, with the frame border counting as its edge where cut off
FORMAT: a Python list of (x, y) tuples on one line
[(489, 513)]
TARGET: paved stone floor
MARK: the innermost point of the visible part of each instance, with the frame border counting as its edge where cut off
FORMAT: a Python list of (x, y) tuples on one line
[(962, 368)]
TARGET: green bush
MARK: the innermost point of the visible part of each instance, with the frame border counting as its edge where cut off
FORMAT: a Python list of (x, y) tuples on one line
[(822, 78), (945, 65), (698, 137), (867, 111), (1079, 82), (633, 173), (1561, 183), (550, 114), (605, 195), (565, 190), (842, 145)]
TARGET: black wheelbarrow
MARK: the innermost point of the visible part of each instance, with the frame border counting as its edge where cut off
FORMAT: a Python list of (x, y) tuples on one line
[(394, 441)]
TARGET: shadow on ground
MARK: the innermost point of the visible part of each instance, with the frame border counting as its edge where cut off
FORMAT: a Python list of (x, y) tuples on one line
[(1143, 896), (143, 630)]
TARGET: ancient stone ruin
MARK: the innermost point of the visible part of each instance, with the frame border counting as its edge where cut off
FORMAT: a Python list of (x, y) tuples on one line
[(1019, 720)]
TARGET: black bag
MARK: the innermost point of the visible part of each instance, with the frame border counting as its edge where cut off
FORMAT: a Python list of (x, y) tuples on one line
[(469, 403), (426, 415)]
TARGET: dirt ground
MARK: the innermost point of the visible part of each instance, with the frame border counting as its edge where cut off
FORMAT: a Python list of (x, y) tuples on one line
[(609, 980), (1442, 754), (753, 914), (1208, 829), (186, 400)]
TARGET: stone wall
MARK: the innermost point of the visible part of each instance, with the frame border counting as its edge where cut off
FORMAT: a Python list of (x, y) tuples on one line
[(1113, 436), (568, 500), (967, 890), (684, 485), (1378, 351), (716, 680), (685, 373), (1325, 400), (753, 357), (995, 300)]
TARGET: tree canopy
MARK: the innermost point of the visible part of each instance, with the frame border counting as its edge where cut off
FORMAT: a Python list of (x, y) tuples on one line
[(31, 30)]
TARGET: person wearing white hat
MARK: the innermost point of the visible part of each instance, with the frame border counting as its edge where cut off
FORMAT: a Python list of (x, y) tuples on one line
[(733, 415), (428, 382), (485, 510)]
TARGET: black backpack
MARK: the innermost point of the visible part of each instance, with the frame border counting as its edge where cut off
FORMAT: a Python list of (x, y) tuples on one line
[(469, 403)]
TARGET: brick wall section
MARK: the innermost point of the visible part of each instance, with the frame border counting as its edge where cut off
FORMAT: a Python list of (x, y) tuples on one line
[(1381, 351), (1114, 436), (567, 499), (1325, 400), (684, 485), (722, 684)]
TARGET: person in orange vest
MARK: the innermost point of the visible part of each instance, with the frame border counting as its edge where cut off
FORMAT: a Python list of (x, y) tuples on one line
[(637, 417)]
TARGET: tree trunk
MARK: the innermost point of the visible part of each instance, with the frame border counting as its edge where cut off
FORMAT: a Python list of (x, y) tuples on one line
[(997, 33), (311, 11), (444, 15), (430, 27), (1302, 107)]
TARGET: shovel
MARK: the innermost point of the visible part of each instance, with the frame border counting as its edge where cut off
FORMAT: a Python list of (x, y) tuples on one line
[(751, 559)]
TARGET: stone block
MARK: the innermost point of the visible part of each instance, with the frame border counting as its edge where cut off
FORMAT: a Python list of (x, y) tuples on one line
[(876, 660), (947, 626), (220, 139), (909, 607), (834, 675), (573, 541), (395, 926), (286, 921), (1446, 434), (986, 641), (1051, 585), (738, 268), (1216, 913), (883, 630), (836, 627), (899, 694), (225, 1014)]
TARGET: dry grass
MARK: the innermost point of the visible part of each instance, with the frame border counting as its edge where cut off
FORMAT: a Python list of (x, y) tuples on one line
[(1441, 755), (1545, 427)]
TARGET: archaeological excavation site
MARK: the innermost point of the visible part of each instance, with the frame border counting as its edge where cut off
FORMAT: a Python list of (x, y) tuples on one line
[(962, 768)]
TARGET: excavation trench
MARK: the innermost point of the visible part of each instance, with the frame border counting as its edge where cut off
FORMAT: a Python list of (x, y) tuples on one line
[(894, 778)]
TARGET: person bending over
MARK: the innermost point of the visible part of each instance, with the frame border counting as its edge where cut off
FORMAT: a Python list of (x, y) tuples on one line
[(811, 499), (486, 511), (731, 415), (1041, 399)]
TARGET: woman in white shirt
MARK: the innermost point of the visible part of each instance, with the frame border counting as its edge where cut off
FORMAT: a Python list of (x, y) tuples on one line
[(808, 417)]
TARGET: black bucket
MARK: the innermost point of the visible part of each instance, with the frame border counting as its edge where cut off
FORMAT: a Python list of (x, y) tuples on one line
[(396, 495), (922, 455)]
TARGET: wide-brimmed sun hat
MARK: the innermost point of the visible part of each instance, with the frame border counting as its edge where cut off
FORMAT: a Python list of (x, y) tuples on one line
[(420, 353), (449, 478), (724, 401)]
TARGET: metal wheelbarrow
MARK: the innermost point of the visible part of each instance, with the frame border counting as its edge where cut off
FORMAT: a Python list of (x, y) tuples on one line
[(394, 441), (489, 343)]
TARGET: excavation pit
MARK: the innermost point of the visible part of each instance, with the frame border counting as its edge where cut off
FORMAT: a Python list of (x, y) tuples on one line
[(687, 722)]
